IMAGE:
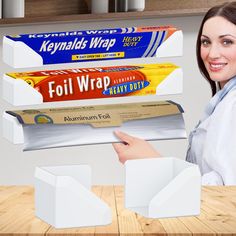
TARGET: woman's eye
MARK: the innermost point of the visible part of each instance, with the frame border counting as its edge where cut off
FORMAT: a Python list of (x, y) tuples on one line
[(227, 42), (205, 42)]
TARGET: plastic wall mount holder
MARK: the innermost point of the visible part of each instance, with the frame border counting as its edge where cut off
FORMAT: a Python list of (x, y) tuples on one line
[(63, 198), (162, 187)]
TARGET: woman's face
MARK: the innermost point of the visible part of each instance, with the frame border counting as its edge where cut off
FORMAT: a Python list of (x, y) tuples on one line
[(218, 49)]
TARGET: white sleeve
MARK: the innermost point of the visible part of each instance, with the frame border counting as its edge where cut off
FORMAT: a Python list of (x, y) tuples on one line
[(219, 151), (212, 178)]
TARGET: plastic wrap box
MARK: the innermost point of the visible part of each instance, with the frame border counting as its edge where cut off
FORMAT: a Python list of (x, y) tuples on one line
[(32, 50)]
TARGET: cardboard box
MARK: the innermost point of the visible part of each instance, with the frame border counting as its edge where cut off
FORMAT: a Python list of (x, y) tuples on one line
[(27, 88), (32, 50), (162, 187), (63, 197), (70, 126)]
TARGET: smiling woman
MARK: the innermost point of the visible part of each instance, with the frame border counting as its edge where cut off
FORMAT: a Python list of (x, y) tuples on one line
[(212, 144), (218, 49)]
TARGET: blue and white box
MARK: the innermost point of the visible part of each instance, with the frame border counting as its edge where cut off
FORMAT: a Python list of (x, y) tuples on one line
[(32, 50)]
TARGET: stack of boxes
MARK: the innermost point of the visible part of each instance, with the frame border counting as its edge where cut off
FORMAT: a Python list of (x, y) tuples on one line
[(37, 87), (31, 50)]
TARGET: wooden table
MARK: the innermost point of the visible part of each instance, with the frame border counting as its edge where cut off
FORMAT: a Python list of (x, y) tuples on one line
[(218, 215)]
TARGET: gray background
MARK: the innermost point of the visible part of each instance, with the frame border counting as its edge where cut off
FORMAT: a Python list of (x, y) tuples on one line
[(17, 167)]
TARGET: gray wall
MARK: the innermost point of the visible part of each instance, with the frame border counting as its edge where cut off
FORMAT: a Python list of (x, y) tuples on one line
[(17, 167)]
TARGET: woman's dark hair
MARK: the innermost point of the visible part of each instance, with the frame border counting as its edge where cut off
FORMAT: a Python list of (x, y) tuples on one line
[(226, 10)]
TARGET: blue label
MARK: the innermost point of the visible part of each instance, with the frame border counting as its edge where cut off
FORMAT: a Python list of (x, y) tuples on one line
[(106, 44), (125, 88)]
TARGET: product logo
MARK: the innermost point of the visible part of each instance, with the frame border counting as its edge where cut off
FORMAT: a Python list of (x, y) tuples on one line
[(43, 119), (129, 87)]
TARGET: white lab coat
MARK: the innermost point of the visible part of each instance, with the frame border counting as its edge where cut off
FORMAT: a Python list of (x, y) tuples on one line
[(214, 144)]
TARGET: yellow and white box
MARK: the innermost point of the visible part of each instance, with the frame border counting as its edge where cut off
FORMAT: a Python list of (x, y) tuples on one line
[(28, 88)]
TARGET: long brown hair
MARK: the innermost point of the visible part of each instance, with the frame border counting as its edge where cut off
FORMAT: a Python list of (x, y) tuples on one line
[(226, 10)]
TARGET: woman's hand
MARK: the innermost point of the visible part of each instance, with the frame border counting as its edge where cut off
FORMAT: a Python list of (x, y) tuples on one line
[(133, 148)]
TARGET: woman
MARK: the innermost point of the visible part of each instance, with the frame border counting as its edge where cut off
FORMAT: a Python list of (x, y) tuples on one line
[(212, 144)]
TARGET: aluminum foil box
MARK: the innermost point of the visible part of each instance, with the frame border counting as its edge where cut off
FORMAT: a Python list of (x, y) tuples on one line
[(28, 88), (32, 50), (69, 126)]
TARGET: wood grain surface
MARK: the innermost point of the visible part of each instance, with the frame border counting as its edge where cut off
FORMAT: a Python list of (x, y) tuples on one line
[(218, 215)]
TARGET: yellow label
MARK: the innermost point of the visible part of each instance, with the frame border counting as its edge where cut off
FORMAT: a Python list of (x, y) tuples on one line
[(98, 56)]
